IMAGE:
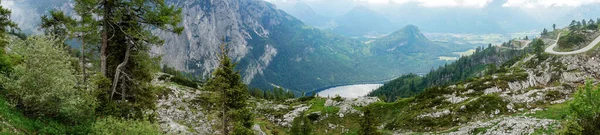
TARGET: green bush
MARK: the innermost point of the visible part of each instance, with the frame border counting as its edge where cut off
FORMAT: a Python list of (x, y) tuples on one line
[(337, 98), (306, 98), (184, 81), (585, 112), (44, 82), (486, 103), (570, 40), (118, 126)]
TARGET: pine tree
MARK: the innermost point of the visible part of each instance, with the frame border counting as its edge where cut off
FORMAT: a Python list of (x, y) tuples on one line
[(368, 123), (538, 47), (491, 69), (5, 25), (553, 26), (83, 29), (573, 26), (232, 96), (124, 57), (301, 125), (544, 32)]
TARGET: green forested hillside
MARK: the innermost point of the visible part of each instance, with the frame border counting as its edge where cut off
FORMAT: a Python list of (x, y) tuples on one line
[(309, 59), (483, 61)]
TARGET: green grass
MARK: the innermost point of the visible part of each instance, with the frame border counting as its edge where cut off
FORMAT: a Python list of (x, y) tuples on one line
[(12, 121), (551, 130), (556, 112), (268, 127), (480, 130), (318, 104)]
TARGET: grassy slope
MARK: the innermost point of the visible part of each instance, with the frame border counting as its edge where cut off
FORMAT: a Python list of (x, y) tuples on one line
[(12, 121)]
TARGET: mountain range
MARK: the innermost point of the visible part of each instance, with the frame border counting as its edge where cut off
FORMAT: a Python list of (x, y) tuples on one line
[(493, 18), (274, 49)]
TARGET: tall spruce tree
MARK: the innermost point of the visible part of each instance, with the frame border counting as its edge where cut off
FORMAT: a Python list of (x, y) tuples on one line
[(538, 47), (368, 123), (128, 50), (124, 57), (232, 96), (5, 26), (301, 125)]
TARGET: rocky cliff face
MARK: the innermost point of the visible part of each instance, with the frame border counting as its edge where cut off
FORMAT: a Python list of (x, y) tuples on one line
[(211, 22), (272, 48)]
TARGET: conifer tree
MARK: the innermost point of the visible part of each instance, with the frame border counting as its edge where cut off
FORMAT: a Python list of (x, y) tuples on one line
[(65, 27), (232, 96), (124, 57), (301, 125), (5, 25), (538, 47), (368, 123)]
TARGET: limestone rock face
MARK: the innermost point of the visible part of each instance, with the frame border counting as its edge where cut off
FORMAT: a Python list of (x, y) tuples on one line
[(208, 23)]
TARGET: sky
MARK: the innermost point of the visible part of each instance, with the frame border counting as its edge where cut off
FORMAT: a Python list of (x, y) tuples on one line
[(459, 3)]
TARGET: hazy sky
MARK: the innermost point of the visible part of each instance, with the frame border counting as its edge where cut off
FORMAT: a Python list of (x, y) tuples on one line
[(456, 3)]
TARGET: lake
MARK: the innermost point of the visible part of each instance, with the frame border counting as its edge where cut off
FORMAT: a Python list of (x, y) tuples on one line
[(349, 91)]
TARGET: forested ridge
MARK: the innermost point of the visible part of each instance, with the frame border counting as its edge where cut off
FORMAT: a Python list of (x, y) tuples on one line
[(484, 61)]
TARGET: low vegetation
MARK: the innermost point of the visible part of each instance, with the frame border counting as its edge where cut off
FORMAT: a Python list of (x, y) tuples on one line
[(482, 62), (584, 110)]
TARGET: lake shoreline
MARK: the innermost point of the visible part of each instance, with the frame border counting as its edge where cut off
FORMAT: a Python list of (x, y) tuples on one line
[(349, 91)]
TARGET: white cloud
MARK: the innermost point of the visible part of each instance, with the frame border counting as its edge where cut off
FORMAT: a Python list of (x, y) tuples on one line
[(548, 3), (460, 3), (424, 3), (454, 3)]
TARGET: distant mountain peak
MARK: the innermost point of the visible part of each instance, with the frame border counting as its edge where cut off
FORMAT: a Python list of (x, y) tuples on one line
[(411, 32)]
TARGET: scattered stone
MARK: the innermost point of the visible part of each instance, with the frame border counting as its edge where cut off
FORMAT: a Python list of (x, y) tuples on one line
[(257, 130)]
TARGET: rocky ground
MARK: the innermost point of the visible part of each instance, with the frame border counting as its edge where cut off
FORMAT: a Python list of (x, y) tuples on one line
[(550, 81), (177, 114), (530, 85)]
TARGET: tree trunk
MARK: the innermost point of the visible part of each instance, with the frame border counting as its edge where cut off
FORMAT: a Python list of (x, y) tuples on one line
[(224, 113), (119, 70), (104, 46)]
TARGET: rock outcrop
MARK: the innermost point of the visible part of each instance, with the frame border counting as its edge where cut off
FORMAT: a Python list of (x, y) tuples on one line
[(177, 114)]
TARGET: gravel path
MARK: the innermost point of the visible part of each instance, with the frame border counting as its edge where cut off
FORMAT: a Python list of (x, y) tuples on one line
[(585, 49)]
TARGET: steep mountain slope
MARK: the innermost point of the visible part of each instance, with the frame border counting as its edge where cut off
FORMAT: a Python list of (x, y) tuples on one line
[(465, 67), (409, 39), (407, 49), (274, 49)]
